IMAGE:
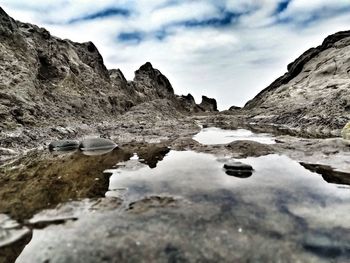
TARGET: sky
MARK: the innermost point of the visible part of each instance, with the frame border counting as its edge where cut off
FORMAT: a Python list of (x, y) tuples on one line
[(226, 49)]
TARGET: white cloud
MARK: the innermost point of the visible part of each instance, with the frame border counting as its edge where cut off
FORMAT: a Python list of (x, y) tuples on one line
[(230, 63)]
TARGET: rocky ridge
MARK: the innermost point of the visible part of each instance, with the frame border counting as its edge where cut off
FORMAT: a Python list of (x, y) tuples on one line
[(314, 94), (51, 87), (45, 78)]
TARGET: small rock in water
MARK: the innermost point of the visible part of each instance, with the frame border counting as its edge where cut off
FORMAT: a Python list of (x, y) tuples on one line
[(238, 169), (97, 146), (238, 166), (64, 145)]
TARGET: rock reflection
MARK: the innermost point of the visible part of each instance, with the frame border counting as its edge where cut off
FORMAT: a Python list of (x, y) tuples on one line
[(328, 173), (42, 180), (239, 174), (187, 203)]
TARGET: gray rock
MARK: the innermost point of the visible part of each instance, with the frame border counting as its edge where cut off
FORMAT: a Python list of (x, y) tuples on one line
[(64, 145), (313, 95), (233, 165), (234, 108), (238, 169), (208, 104), (96, 144), (50, 80)]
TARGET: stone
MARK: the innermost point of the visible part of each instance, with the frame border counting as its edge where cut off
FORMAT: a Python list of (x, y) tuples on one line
[(233, 165), (345, 133), (95, 144), (238, 169), (64, 145)]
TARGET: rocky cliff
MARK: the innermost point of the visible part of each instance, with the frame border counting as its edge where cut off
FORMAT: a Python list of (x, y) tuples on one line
[(314, 95), (46, 80)]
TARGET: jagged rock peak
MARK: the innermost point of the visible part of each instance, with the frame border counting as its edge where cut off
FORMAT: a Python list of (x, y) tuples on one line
[(4, 15), (117, 74), (147, 67), (7, 24), (314, 94), (188, 97), (147, 73), (297, 66), (208, 104)]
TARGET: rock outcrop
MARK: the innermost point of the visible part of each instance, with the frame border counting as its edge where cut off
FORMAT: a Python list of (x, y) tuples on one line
[(314, 94), (46, 80), (208, 104)]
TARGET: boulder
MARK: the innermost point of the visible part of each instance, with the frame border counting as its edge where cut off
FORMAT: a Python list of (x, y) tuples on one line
[(95, 144), (64, 145)]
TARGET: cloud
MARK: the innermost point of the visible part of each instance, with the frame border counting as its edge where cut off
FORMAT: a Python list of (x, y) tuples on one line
[(227, 49)]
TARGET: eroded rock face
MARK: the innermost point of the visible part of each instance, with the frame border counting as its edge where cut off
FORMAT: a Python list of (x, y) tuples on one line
[(208, 104), (46, 80), (314, 94)]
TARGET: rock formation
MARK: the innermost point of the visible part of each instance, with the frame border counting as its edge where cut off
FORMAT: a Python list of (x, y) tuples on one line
[(46, 80), (314, 94), (208, 104)]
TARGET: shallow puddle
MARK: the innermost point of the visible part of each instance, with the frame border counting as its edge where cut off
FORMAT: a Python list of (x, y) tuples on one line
[(212, 135), (187, 173), (189, 207)]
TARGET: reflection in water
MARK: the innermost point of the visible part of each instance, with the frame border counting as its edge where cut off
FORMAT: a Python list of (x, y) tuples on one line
[(188, 172), (98, 152), (283, 211), (328, 173), (42, 180), (239, 173), (210, 136)]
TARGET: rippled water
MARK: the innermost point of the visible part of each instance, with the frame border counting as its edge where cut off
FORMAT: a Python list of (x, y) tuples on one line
[(212, 135)]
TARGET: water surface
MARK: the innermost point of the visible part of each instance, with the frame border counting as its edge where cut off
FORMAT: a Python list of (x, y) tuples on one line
[(191, 209), (212, 135)]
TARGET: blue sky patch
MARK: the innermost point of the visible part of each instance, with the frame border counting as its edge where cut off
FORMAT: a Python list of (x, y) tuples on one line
[(281, 6), (131, 37), (226, 19), (109, 12)]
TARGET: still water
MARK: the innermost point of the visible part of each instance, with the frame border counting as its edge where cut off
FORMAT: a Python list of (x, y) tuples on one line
[(212, 135), (281, 210)]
